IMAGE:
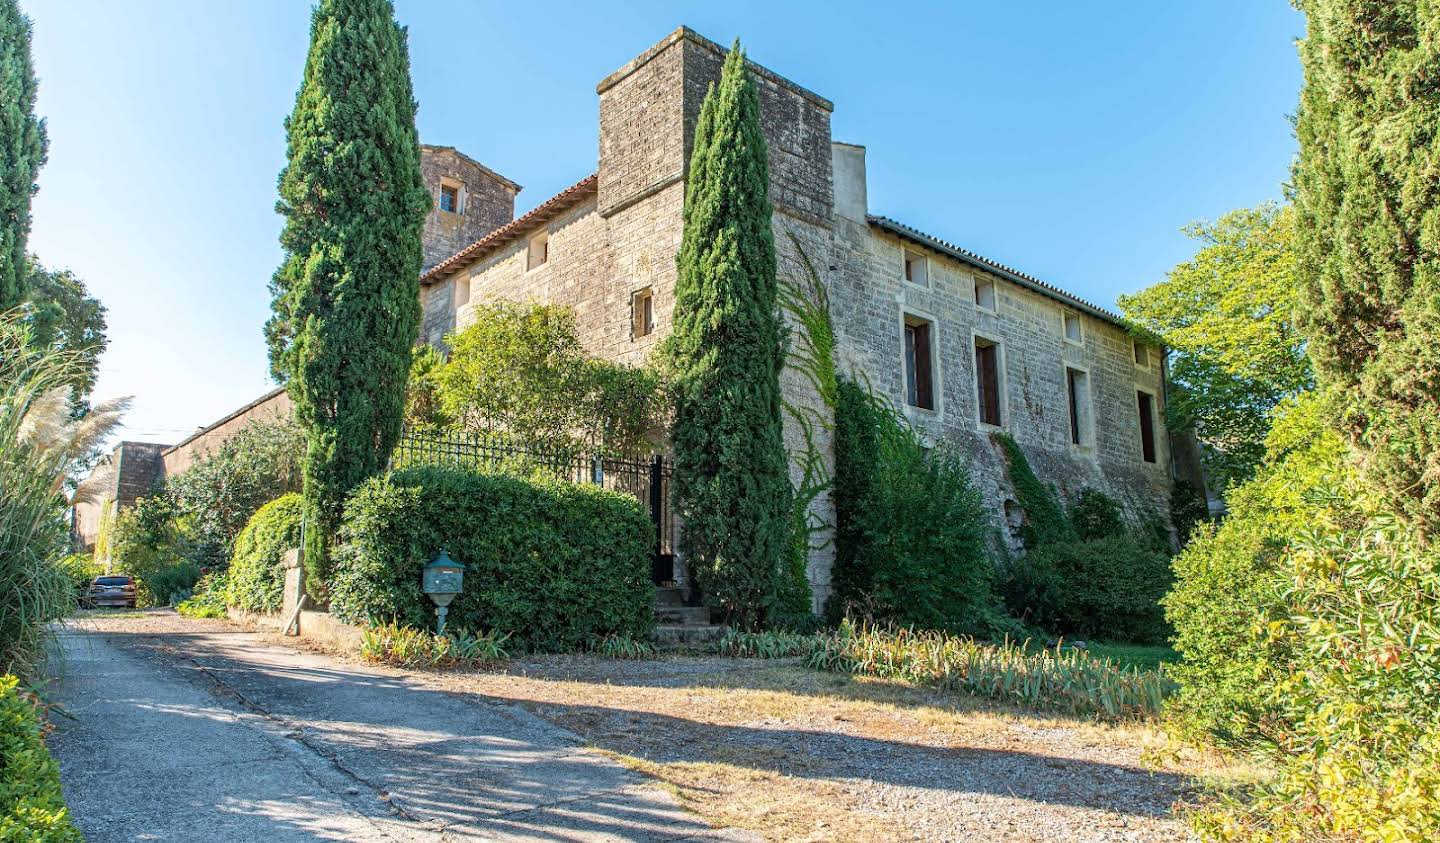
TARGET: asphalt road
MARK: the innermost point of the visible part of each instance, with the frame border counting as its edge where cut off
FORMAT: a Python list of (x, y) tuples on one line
[(178, 731)]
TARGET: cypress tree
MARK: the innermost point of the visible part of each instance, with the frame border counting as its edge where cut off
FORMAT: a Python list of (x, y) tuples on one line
[(731, 481), (346, 301), (1367, 184), (22, 150)]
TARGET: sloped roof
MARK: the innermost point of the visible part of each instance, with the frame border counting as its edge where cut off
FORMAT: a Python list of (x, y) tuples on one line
[(1015, 276), (544, 212)]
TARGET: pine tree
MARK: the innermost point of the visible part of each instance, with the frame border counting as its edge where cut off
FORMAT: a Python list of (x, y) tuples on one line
[(1367, 184), (22, 149), (346, 302), (731, 481)]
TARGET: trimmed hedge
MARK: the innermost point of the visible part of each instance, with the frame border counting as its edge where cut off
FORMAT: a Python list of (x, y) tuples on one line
[(1107, 587), (32, 805), (553, 564), (256, 581)]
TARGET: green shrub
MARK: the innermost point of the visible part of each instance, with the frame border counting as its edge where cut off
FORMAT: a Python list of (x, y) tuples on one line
[(256, 579), (168, 586), (1096, 515), (1188, 508), (910, 530), (207, 600), (1108, 587), (32, 805), (81, 569), (551, 564), (766, 645), (1229, 584), (622, 647)]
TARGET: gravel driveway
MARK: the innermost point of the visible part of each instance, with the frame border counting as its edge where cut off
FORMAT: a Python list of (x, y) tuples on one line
[(176, 729)]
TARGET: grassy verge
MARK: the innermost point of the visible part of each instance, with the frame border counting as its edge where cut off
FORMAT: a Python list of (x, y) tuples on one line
[(1138, 656), (1063, 679)]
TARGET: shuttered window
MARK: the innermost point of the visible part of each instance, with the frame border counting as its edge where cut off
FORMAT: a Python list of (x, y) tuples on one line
[(919, 376)]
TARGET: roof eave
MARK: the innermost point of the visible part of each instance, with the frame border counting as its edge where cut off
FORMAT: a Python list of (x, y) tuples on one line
[(1033, 284)]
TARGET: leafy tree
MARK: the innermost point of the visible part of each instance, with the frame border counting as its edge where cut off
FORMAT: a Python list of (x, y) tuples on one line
[(520, 369), (422, 389), (346, 304), (64, 317), (22, 150), (1367, 199), (731, 481), (1227, 317), (218, 495)]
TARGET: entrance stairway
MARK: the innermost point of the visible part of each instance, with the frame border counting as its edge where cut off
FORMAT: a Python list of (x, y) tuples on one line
[(682, 627)]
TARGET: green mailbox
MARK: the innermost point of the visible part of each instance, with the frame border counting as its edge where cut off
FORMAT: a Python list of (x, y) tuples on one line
[(442, 579)]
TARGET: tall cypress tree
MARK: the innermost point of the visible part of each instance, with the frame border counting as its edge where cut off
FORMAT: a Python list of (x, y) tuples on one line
[(22, 149), (731, 481), (346, 301), (1368, 234)]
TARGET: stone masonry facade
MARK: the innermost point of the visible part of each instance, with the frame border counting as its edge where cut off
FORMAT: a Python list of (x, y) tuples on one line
[(1072, 383)]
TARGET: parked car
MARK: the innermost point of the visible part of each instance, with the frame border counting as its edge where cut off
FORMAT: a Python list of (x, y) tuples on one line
[(112, 590)]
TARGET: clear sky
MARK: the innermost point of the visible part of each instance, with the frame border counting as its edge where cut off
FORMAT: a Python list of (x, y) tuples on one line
[(1070, 140)]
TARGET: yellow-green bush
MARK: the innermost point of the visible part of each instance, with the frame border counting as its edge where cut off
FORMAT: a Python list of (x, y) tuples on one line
[(32, 806), (256, 580)]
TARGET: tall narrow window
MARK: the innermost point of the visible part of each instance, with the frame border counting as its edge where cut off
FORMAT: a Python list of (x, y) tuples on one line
[(1145, 403), (1077, 387), (1142, 354), (987, 380), (642, 313), (919, 375), (449, 198), (539, 250)]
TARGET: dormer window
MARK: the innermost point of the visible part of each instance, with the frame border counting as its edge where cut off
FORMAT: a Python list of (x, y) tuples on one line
[(539, 253), (450, 198)]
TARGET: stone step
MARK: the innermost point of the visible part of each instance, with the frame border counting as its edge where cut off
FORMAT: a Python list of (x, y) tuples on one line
[(687, 636), (684, 615), (669, 596)]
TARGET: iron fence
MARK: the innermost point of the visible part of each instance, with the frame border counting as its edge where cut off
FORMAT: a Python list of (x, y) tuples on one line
[(644, 477)]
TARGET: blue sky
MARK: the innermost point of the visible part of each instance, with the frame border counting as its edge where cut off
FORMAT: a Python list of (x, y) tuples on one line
[(1070, 140)]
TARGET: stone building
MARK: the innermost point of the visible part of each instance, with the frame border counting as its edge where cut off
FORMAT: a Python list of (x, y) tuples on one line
[(130, 471), (968, 347)]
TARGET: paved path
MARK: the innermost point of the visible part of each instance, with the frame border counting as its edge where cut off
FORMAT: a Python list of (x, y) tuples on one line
[(186, 732)]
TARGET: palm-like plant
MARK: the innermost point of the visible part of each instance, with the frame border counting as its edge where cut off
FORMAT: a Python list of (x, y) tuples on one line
[(41, 444)]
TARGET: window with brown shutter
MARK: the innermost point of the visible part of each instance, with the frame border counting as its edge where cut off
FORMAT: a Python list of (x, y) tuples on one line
[(987, 380), (1146, 405), (919, 374)]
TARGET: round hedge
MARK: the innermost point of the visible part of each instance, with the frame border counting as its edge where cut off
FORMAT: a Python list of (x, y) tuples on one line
[(257, 570), (553, 564)]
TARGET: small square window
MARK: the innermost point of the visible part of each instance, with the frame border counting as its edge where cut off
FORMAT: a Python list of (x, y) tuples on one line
[(917, 268), (450, 198), (642, 313), (1142, 354), (985, 294), (539, 253), (1073, 331)]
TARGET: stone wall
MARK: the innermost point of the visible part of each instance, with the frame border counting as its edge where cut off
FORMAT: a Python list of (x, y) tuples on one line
[(129, 472), (271, 406)]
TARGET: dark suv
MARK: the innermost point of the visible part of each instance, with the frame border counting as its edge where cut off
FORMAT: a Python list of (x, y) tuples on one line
[(112, 590)]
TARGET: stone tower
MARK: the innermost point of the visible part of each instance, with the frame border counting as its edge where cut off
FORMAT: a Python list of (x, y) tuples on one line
[(470, 201)]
